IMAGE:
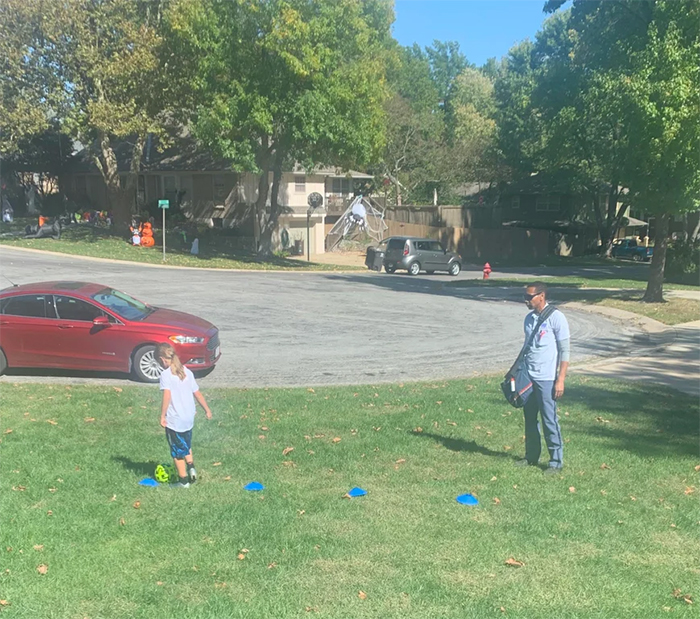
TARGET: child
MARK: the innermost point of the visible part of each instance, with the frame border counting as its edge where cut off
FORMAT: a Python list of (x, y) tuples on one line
[(177, 411)]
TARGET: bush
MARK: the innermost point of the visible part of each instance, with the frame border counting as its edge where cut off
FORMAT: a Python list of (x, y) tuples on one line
[(682, 260)]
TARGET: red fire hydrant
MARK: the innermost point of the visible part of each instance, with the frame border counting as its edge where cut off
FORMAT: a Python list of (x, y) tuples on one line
[(487, 270)]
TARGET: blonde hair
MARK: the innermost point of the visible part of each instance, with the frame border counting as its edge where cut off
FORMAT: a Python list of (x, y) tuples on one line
[(166, 351)]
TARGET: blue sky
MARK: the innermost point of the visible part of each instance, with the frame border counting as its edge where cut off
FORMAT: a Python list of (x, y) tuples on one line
[(483, 28)]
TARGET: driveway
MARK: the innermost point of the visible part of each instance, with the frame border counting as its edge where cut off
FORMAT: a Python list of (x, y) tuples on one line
[(290, 329)]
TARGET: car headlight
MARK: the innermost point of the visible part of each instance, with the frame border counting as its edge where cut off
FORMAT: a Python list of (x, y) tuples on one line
[(186, 339)]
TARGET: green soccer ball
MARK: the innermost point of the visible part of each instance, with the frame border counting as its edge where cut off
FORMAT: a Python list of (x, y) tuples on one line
[(165, 473)]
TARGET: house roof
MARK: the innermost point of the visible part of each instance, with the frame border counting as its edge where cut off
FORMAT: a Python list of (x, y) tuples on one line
[(185, 155)]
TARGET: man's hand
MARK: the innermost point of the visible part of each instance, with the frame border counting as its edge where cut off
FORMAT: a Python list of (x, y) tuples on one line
[(162, 420), (208, 414), (558, 388)]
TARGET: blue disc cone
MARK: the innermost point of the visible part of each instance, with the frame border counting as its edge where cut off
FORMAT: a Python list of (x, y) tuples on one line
[(467, 499), (147, 481), (253, 486), (355, 492)]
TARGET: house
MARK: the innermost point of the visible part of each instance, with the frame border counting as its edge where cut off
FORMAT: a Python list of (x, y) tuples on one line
[(207, 190)]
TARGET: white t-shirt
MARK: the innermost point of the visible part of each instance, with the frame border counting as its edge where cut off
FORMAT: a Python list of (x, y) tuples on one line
[(182, 408)]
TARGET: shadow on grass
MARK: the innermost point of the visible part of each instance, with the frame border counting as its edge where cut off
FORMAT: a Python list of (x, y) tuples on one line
[(652, 422), (459, 444), (140, 468)]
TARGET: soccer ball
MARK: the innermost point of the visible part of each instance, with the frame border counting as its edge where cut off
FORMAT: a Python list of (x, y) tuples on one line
[(165, 473)]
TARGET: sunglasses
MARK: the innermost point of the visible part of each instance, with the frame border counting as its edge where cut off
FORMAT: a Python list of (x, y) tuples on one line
[(530, 297)]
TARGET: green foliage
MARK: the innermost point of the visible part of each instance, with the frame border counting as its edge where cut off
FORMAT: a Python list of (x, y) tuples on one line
[(682, 260)]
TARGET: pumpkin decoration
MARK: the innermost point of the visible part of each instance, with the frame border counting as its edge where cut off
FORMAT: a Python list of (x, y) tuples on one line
[(147, 239)]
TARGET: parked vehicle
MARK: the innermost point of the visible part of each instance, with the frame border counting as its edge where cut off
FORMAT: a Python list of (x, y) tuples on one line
[(82, 326), (415, 255), (629, 248)]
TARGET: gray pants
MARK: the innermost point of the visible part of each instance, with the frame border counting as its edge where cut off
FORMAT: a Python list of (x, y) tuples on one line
[(542, 401)]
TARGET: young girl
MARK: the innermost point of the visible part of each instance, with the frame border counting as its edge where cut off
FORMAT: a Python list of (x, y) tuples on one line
[(177, 411)]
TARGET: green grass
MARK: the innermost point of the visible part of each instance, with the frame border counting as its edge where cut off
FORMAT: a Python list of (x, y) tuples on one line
[(572, 282), (673, 312), (218, 252), (618, 546)]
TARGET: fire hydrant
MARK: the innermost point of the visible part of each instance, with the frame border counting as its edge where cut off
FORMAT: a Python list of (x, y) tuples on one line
[(487, 270)]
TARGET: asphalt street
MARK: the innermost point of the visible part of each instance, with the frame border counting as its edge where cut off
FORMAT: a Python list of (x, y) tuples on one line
[(291, 329)]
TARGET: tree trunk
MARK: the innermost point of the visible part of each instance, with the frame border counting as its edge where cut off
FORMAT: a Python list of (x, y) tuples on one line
[(273, 217), (655, 285), (263, 161)]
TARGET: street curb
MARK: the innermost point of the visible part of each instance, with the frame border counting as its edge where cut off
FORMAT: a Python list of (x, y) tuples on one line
[(170, 266)]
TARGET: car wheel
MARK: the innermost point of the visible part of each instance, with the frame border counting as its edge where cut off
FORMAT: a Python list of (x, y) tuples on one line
[(414, 268), (389, 269), (454, 269), (3, 362), (146, 367)]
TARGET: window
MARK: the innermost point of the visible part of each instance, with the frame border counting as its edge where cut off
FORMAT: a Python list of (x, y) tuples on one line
[(549, 203), (127, 307), (515, 202), (396, 244), (33, 306), (300, 184), (341, 186), (69, 308), (436, 246), (219, 187), (422, 245)]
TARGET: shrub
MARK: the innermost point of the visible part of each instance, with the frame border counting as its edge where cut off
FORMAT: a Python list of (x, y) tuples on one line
[(682, 260)]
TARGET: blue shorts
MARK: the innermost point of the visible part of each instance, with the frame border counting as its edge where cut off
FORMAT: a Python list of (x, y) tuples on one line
[(180, 443)]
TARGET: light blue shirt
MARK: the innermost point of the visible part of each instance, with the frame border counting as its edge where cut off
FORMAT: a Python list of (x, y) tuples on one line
[(542, 358)]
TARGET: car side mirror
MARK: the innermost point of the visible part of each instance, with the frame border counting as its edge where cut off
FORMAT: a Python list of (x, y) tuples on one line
[(100, 321)]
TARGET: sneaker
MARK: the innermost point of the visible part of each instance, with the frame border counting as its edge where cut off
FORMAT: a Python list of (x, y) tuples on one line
[(192, 472), (552, 470), (179, 484), (524, 462)]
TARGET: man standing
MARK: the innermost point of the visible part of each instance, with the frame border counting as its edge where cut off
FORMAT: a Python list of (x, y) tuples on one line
[(547, 361)]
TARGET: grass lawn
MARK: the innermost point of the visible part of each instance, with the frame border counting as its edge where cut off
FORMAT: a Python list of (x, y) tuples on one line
[(572, 282), (614, 536), (673, 312), (215, 252)]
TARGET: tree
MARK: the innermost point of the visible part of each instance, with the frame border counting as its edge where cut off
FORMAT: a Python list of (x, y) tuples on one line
[(96, 63), (272, 82), (645, 56)]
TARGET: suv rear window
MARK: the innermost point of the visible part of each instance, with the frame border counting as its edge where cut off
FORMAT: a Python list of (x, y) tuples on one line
[(396, 244)]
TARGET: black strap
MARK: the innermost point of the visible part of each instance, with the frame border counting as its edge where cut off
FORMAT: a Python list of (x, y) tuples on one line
[(547, 312)]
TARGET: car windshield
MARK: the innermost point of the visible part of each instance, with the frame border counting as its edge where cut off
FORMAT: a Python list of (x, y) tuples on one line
[(122, 304)]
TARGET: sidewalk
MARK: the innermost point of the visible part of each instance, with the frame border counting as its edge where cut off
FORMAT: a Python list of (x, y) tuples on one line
[(674, 363)]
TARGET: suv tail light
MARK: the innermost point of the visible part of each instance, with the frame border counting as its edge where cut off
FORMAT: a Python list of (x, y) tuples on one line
[(405, 249)]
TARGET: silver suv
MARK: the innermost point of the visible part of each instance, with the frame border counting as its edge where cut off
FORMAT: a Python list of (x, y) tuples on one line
[(415, 255)]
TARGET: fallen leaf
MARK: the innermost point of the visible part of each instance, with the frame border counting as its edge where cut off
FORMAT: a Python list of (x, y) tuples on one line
[(52, 489), (290, 463), (690, 490), (418, 430), (301, 512), (438, 402), (264, 428), (514, 562), (634, 498), (287, 450), (118, 389), (362, 595), (502, 609), (604, 466), (216, 464), (42, 569), (601, 420), (451, 423), (52, 422), (494, 478), (4, 603), (311, 609), (137, 504), (8, 431), (114, 497), (227, 478), (603, 492), (496, 500), (49, 513), (469, 410), (697, 468), (261, 436), (272, 565), (122, 522), (89, 419), (337, 439), (20, 488), (572, 489), (310, 390), (319, 435), (679, 595), (159, 582), (241, 556), (507, 448), (401, 461), (38, 546)]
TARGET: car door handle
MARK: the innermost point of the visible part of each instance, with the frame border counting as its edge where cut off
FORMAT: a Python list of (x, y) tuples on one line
[(65, 326)]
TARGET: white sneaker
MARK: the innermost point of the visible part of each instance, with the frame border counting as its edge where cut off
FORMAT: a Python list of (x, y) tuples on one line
[(179, 484)]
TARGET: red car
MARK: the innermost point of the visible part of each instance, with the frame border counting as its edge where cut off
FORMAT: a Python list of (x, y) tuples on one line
[(81, 326)]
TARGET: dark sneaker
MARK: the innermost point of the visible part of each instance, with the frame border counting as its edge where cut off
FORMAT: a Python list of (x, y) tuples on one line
[(552, 470), (524, 462), (192, 472), (179, 484)]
